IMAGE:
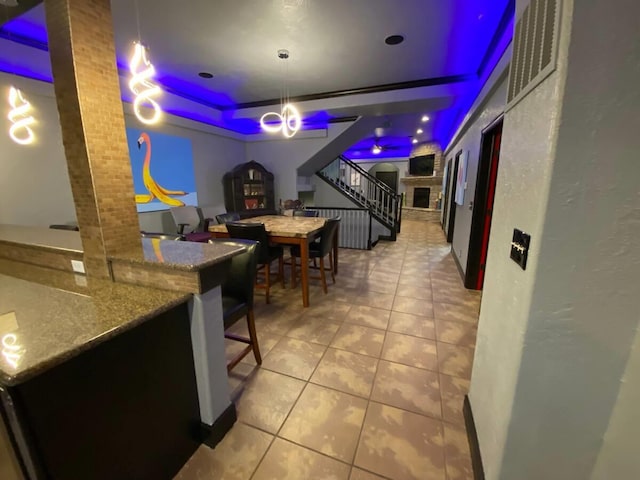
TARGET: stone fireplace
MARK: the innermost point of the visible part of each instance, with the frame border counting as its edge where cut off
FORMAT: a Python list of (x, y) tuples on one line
[(421, 197), (413, 183)]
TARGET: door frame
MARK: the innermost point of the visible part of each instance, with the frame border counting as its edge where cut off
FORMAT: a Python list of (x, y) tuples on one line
[(452, 195), (484, 195)]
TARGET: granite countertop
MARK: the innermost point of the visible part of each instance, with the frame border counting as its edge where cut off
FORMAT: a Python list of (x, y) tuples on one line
[(189, 256), (282, 225), (41, 237), (49, 316)]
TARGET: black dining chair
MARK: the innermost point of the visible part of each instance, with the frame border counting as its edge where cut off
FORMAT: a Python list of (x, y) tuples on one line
[(267, 253), (227, 217), (237, 297), (306, 213), (319, 250)]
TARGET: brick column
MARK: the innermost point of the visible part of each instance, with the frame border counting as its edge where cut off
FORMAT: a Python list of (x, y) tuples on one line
[(93, 132)]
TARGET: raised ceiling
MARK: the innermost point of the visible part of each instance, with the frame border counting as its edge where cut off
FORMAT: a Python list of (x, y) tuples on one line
[(337, 53)]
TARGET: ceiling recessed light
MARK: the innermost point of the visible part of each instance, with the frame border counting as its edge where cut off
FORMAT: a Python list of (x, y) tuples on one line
[(415, 140), (425, 118), (205, 75), (419, 131), (394, 39)]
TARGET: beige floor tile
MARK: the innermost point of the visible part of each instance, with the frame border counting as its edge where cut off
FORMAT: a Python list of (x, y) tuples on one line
[(374, 299), (368, 317), (358, 339), (459, 313), (328, 310), (286, 461), (417, 292), (401, 445), (455, 360), (408, 388), (453, 390), (266, 341), (277, 323), (327, 421), (314, 330), (457, 296), (267, 399), (359, 474), (234, 458), (238, 377), (294, 357), (456, 450), (346, 371), (412, 351), (345, 295), (415, 325), (367, 286), (457, 333), (413, 306)]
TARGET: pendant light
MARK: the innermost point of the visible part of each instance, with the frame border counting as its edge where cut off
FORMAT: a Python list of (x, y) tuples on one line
[(288, 120), (141, 82)]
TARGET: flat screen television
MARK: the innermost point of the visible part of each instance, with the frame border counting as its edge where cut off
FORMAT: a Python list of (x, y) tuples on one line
[(422, 165)]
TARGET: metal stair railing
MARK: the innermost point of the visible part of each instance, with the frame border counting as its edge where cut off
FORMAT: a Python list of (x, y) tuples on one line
[(366, 190)]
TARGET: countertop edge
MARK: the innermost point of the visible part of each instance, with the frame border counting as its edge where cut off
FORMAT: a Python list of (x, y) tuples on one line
[(54, 361)]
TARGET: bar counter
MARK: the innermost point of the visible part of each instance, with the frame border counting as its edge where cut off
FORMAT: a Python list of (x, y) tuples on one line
[(49, 316)]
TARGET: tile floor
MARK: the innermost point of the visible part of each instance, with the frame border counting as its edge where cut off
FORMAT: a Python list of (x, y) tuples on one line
[(367, 383)]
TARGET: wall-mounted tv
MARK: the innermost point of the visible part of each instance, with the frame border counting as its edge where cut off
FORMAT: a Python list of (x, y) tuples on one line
[(422, 165)]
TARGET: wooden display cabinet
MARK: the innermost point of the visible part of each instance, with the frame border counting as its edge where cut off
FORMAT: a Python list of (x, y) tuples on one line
[(248, 190)]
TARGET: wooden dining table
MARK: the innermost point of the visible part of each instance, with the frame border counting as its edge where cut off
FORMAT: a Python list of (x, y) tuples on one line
[(285, 230)]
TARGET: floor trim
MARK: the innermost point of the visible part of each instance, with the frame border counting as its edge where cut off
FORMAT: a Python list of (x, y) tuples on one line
[(472, 436), (213, 434)]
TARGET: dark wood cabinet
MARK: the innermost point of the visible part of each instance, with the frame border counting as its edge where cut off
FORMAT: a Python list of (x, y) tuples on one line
[(248, 190)]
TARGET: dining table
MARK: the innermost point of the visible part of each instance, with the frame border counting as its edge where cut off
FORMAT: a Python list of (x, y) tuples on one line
[(285, 230)]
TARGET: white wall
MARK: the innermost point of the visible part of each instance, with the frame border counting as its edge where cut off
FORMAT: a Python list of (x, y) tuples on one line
[(526, 160), (282, 157), (490, 109), (402, 164), (555, 341), (34, 183)]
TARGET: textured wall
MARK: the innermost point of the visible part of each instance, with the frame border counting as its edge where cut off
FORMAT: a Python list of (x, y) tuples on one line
[(92, 121)]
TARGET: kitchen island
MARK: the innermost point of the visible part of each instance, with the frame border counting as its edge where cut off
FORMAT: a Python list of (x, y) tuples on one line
[(96, 378)]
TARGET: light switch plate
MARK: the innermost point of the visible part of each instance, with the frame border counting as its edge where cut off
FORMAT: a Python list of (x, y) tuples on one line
[(77, 266), (520, 247)]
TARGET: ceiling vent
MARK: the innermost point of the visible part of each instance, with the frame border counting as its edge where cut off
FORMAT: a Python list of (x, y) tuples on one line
[(534, 49)]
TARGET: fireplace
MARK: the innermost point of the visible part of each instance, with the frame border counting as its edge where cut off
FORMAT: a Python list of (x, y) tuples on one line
[(421, 197)]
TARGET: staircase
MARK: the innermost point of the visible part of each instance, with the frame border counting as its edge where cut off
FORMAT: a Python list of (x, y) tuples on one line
[(365, 190)]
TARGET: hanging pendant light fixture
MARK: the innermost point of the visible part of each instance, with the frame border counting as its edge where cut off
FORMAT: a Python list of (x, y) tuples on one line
[(141, 82), (288, 120), (20, 117)]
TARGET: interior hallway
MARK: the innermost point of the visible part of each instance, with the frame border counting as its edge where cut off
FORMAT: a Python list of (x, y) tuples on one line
[(367, 383)]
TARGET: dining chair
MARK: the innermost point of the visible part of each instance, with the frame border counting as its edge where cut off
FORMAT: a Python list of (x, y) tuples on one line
[(188, 223), (306, 213), (319, 250), (267, 253), (163, 236), (227, 217), (237, 297)]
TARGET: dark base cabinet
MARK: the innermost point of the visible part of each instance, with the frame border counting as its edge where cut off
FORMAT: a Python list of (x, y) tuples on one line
[(248, 190), (126, 409)]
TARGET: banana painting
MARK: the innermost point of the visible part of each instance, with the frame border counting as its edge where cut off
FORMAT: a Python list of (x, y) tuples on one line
[(155, 190)]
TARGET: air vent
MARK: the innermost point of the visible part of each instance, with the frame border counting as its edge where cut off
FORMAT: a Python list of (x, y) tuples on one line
[(534, 48)]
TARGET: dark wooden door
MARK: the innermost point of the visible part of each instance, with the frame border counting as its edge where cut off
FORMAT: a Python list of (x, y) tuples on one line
[(483, 210), (389, 178), (453, 177)]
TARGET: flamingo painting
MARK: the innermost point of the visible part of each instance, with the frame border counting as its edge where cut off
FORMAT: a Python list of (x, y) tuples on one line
[(155, 190)]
